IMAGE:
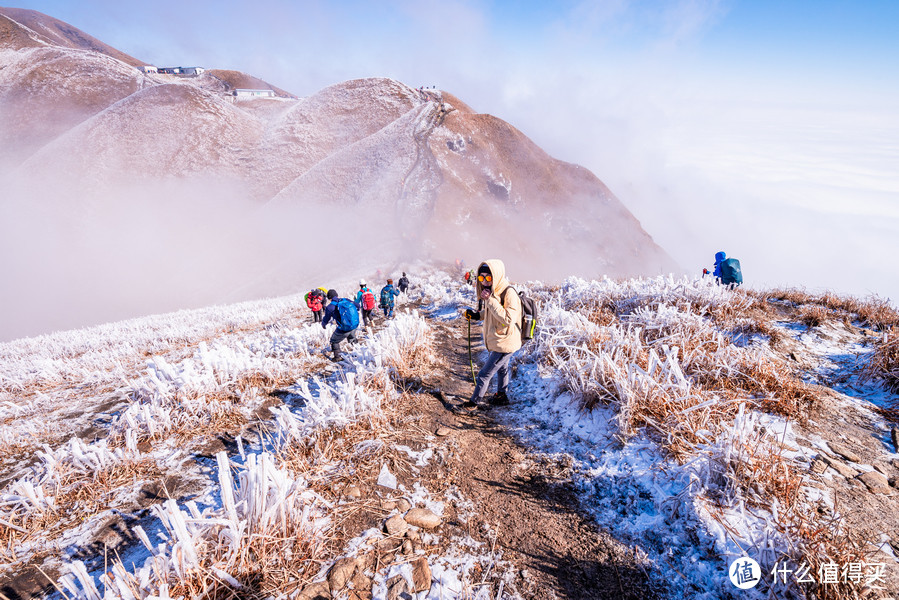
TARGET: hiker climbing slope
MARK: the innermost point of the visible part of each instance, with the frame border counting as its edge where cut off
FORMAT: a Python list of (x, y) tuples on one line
[(344, 313), (500, 307), (388, 298), (403, 283), (728, 270), (315, 301), (365, 301)]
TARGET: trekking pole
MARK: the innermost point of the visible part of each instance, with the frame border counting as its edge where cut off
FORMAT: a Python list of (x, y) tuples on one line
[(470, 361)]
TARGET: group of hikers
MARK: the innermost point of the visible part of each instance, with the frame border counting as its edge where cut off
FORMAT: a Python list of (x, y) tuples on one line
[(509, 318), (328, 306)]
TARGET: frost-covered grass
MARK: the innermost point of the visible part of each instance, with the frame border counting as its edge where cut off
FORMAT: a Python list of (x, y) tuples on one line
[(51, 385), (218, 386), (676, 399), (263, 538), (105, 354), (656, 350), (406, 346), (270, 531), (67, 487), (678, 386)]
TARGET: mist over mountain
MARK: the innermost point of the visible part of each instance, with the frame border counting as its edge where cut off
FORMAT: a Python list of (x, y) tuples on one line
[(135, 192)]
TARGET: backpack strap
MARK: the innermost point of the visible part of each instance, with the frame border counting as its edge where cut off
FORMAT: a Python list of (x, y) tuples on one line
[(502, 300)]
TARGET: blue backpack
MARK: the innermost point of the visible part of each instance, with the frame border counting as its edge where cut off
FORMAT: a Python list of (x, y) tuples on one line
[(387, 295), (346, 314), (731, 272)]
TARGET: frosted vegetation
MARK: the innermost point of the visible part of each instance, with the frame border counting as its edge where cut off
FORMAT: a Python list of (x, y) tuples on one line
[(671, 398)]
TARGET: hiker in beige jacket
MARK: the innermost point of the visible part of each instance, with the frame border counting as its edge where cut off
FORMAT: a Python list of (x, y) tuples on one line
[(500, 307)]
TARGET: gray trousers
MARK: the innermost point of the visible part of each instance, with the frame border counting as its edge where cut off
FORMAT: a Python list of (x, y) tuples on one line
[(339, 336), (497, 364)]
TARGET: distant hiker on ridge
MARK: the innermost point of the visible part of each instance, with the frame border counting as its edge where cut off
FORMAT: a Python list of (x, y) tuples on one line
[(403, 283), (315, 300), (727, 270), (346, 316), (388, 298), (365, 300), (501, 312)]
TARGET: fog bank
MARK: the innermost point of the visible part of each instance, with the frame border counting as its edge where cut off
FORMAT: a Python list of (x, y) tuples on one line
[(76, 259)]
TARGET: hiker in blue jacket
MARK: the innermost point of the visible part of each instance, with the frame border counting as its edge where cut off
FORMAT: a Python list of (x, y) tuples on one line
[(719, 258), (347, 322), (388, 298), (727, 270)]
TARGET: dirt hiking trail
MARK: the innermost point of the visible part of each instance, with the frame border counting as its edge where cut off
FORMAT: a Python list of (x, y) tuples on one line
[(528, 501)]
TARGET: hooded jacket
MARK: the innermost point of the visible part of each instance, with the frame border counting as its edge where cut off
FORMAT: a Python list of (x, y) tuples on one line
[(719, 258), (313, 301), (502, 320), (388, 294)]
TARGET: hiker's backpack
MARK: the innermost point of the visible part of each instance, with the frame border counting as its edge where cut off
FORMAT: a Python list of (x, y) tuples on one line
[(314, 300), (730, 272), (346, 314), (368, 299), (528, 323), (386, 296)]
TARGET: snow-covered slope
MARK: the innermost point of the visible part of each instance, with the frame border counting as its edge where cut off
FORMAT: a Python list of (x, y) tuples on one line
[(697, 425), (47, 90)]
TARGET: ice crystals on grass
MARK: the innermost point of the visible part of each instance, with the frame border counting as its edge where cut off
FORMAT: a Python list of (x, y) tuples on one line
[(264, 502)]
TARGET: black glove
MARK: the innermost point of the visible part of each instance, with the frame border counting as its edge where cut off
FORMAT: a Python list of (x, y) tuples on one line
[(472, 314)]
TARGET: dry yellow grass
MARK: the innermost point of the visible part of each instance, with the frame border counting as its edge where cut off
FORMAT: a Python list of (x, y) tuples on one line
[(814, 315), (412, 356), (884, 362), (874, 312), (269, 566)]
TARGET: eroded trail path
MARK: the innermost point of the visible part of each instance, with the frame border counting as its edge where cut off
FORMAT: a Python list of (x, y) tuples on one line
[(527, 501)]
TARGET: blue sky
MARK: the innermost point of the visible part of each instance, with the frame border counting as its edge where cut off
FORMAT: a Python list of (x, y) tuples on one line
[(821, 40), (764, 128)]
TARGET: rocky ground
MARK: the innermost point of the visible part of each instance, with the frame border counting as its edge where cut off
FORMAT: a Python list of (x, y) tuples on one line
[(519, 504)]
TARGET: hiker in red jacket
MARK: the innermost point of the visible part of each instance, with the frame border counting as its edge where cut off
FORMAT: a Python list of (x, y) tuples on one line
[(314, 300)]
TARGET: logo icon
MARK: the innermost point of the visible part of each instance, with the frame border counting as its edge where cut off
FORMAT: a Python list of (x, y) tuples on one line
[(745, 573)]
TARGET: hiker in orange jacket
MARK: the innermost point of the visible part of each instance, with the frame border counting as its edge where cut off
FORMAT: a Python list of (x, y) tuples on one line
[(501, 313)]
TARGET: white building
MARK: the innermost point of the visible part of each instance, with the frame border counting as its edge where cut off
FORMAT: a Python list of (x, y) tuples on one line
[(149, 69), (247, 93)]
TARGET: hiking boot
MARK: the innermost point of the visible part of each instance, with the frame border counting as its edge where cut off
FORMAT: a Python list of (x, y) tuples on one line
[(499, 399), (470, 404)]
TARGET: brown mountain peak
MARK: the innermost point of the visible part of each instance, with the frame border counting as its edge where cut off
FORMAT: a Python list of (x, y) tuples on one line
[(53, 32)]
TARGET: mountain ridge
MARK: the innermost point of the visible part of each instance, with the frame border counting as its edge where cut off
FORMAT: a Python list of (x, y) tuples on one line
[(54, 32), (390, 172)]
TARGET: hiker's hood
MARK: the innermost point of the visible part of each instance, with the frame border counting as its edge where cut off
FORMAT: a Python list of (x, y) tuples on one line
[(719, 256), (498, 270)]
